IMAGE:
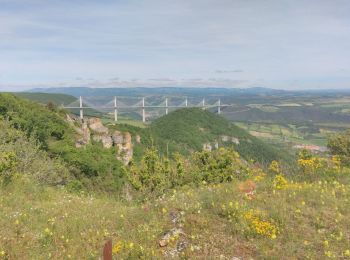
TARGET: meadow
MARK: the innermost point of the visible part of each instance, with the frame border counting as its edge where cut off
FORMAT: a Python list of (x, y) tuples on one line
[(285, 218), (60, 202)]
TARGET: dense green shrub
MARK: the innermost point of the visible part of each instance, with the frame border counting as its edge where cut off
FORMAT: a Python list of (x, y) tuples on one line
[(339, 144), (22, 156), (155, 173)]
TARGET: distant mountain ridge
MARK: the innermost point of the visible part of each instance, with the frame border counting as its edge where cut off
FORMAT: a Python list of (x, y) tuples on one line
[(139, 91)]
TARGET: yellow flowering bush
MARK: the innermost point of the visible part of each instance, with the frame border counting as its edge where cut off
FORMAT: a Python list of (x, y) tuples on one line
[(260, 226), (279, 182), (336, 163), (275, 167)]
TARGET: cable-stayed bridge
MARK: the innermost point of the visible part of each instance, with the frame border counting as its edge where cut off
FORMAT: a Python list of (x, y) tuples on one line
[(140, 105)]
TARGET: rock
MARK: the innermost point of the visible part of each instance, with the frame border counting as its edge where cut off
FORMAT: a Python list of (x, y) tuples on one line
[(85, 136), (96, 126), (207, 147), (107, 141), (225, 138), (235, 140), (127, 139), (118, 137), (171, 234), (216, 145), (138, 139)]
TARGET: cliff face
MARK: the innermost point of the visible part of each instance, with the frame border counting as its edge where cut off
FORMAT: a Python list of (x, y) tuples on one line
[(124, 144), (94, 129)]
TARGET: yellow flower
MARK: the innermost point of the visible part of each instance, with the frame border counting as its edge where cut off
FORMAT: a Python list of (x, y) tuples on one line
[(347, 252), (2, 253), (306, 243), (17, 222), (164, 210), (326, 243), (117, 247)]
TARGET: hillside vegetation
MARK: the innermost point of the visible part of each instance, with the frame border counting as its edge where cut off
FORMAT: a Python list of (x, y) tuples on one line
[(255, 214), (93, 167), (44, 98), (188, 129), (61, 202)]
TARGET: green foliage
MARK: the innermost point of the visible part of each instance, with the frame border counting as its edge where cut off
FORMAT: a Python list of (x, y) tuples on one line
[(45, 98), (219, 166), (155, 173), (152, 174), (8, 160), (339, 144), (23, 157), (35, 120), (186, 130), (95, 167)]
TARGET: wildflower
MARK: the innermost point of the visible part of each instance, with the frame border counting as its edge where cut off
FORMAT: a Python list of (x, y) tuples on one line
[(326, 243), (261, 227), (279, 182), (303, 203), (117, 248), (131, 244), (48, 231), (274, 167), (17, 222), (164, 210), (328, 253), (306, 243), (2, 253), (347, 252)]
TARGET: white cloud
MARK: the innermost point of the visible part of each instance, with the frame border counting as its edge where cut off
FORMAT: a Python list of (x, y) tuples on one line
[(45, 42)]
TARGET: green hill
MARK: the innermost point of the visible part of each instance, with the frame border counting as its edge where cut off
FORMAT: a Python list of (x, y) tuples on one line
[(94, 166), (187, 130), (44, 98)]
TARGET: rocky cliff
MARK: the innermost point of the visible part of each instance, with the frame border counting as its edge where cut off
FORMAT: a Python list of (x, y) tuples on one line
[(94, 129)]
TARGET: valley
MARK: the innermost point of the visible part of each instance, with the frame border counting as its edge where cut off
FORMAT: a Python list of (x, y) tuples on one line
[(195, 185)]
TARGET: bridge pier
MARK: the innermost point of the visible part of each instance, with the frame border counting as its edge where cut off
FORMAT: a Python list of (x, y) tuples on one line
[(81, 108), (166, 106)]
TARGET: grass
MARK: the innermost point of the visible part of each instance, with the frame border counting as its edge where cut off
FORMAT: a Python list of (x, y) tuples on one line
[(311, 219), (283, 133)]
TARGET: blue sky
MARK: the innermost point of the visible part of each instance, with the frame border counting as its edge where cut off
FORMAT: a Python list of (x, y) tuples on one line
[(288, 44)]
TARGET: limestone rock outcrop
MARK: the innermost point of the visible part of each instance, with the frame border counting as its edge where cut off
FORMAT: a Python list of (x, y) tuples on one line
[(94, 129), (96, 126), (124, 144)]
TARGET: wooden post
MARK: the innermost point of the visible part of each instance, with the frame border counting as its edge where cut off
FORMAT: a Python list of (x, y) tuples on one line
[(115, 110), (81, 108), (143, 110), (166, 106), (107, 250)]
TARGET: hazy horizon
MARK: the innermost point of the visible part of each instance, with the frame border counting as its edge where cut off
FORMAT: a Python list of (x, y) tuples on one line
[(287, 44)]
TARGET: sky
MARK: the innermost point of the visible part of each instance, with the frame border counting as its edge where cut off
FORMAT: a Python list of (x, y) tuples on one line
[(284, 44)]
